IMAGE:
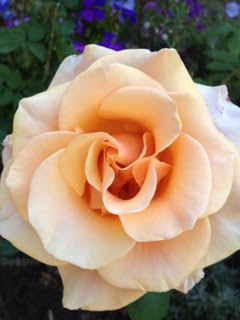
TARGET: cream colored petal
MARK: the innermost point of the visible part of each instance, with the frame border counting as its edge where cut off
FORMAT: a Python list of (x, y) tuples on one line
[(225, 225), (26, 162), (160, 266), (197, 122), (150, 108), (7, 150), (225, 114), (79, 107), (182, 200), (165, 66), (73, 65), (85, 289), (190, 281), (35, 115), (17, 231), (73, 160), (138, 203), (68, 228)]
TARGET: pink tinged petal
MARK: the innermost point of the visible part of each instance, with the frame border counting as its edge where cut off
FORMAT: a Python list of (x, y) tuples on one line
[(26, 162), (160, 266), (7, 150), (73, 65), (35, 115), (164, 66), (95, 199), (183, 200), (152, 109), (197, 123), (79, 107), (85, 289), (190, 281), (16, 230), (225, 225), (225, 114), (73, 161), (92, 240), (138, 203)]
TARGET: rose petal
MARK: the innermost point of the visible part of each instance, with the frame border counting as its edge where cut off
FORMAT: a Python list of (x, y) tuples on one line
[(35, 115), (225, 225), (7, 150), (165, 66), (182, 201), (160, 266), (85, 289), (26, 162), (225, 114), (150, 108), (73, 65), (138, 203), (17, 231), (79, 107), (190, 281), (220, 152), (92, 240), (73, 160)]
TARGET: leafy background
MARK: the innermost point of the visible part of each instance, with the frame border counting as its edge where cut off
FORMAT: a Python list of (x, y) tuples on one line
[(35, 36)]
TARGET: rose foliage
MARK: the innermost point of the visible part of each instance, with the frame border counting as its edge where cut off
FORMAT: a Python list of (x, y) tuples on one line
[(118, 176)]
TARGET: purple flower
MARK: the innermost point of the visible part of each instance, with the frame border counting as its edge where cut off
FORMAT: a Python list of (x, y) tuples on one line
[(195, 8), (78, 45), (9, 24), (60, 19), (98, 14), (232, 9), (129, 15), (109, 36), (149, 5), (4, 5), (200, 26), (17, 22), (88, 3), (79, 27), (26, 19), (100, 2), (117, 4), (8, 15), (117, 46), (169, 13), (87, 15)]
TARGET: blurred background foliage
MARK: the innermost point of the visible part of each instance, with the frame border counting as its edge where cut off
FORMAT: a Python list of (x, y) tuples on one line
[(36, 35)]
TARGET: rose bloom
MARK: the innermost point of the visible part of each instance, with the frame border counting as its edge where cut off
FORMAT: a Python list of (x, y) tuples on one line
[(118, 176)]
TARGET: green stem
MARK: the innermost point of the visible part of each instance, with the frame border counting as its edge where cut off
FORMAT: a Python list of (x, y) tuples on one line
[(231, 75)]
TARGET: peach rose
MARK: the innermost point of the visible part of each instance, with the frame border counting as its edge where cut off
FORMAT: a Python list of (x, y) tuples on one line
[(117, 175)]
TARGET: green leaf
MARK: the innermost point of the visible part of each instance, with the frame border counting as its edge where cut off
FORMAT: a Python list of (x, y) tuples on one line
[(5, 73), (152, 306), (66, 27), (35, 32), (14, 80), (218, 66), (6, 248), (71, 4), (219, 55), (220, 29), (11, 39), (39, 51), (6, 96), (234, 42)]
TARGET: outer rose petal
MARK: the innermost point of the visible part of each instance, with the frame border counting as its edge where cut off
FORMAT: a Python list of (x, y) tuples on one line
[(35, 115), (68, 228), (225, 114), (79, 107), (85, 289), (190, 281), (26, 162), (7, 151), (225, 225), (19, 232), (150, 108), (179, 204), (220, 151), (73, 65), (160, 266), (165, 66)]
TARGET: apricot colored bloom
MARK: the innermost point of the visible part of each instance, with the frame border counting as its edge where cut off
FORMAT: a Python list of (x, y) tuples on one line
[(118, 176)]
